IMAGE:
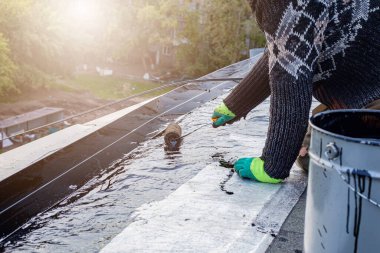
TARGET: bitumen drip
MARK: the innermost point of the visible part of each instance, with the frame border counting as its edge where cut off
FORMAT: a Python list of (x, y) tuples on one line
[(223, 183), (228, 164)]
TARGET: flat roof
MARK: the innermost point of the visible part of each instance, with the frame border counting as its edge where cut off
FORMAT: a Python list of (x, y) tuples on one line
[(199, 217), (28, 116)]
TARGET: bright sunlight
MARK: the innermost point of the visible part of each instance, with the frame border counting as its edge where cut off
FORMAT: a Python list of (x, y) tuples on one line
[(84, 12)]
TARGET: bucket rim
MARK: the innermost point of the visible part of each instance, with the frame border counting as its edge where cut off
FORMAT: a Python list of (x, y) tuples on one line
[(370, 142)]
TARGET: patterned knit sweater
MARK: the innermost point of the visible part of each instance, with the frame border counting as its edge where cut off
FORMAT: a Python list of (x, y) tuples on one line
[(326, 48)]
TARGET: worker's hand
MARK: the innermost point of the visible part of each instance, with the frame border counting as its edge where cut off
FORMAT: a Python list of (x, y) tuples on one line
[(222, 115), (253, 168)]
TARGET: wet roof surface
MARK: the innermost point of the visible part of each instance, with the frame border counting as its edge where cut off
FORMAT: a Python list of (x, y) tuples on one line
[(94, 214), (45, 183), (102, 208), (97, 212)]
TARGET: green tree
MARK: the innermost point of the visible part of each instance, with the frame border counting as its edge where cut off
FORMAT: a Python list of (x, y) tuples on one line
[(35, 46), (217, 34), (143, 28), (41, 39), (7, 68)]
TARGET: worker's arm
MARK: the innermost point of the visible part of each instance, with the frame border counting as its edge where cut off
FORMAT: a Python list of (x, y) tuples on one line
[(251, 91), (294, 36)]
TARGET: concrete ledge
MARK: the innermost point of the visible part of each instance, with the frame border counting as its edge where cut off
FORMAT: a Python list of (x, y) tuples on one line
[(200, 217), (19, 158)]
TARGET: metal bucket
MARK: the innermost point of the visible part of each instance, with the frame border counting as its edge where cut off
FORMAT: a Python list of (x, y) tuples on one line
[(343, 195)]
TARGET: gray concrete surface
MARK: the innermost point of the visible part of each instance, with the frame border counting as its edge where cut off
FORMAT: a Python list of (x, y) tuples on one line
[(290, 237)]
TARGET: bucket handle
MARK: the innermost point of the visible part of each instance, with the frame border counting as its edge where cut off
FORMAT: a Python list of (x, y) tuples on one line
[(344, 169)]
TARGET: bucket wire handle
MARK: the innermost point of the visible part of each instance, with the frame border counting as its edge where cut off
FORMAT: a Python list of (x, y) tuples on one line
[(329, 164), (356, 191)]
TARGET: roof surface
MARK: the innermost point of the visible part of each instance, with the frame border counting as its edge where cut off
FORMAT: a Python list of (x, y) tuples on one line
[(150, 200), (199, 217)]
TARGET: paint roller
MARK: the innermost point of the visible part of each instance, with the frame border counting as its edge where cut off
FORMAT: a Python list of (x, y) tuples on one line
[(172, 136)]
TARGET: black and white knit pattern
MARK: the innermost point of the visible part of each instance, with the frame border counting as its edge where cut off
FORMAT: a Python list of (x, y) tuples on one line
[(345, 19), (298, 39), (294, 48), (326, 48)]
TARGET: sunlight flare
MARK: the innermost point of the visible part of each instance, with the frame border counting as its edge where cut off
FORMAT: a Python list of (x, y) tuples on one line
[(84, 12)]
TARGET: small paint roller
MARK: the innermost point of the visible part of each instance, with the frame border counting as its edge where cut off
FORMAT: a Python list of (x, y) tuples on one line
[(172, 136)]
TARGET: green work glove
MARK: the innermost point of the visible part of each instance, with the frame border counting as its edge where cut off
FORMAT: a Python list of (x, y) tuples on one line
[(253, 168), (222, 115)]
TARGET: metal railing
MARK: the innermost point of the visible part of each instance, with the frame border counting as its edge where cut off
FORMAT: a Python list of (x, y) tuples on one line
[(173, 84)]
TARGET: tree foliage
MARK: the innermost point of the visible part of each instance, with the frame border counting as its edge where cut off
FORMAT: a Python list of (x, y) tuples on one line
[(33, 44), (220, 37), (45, 38), (7, 68)]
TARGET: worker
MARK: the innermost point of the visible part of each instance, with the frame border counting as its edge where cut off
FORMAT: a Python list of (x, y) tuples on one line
[(329, 49)]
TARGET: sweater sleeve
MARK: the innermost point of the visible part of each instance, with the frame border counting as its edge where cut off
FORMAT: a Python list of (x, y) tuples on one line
[(252, 90), (294, 43)]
